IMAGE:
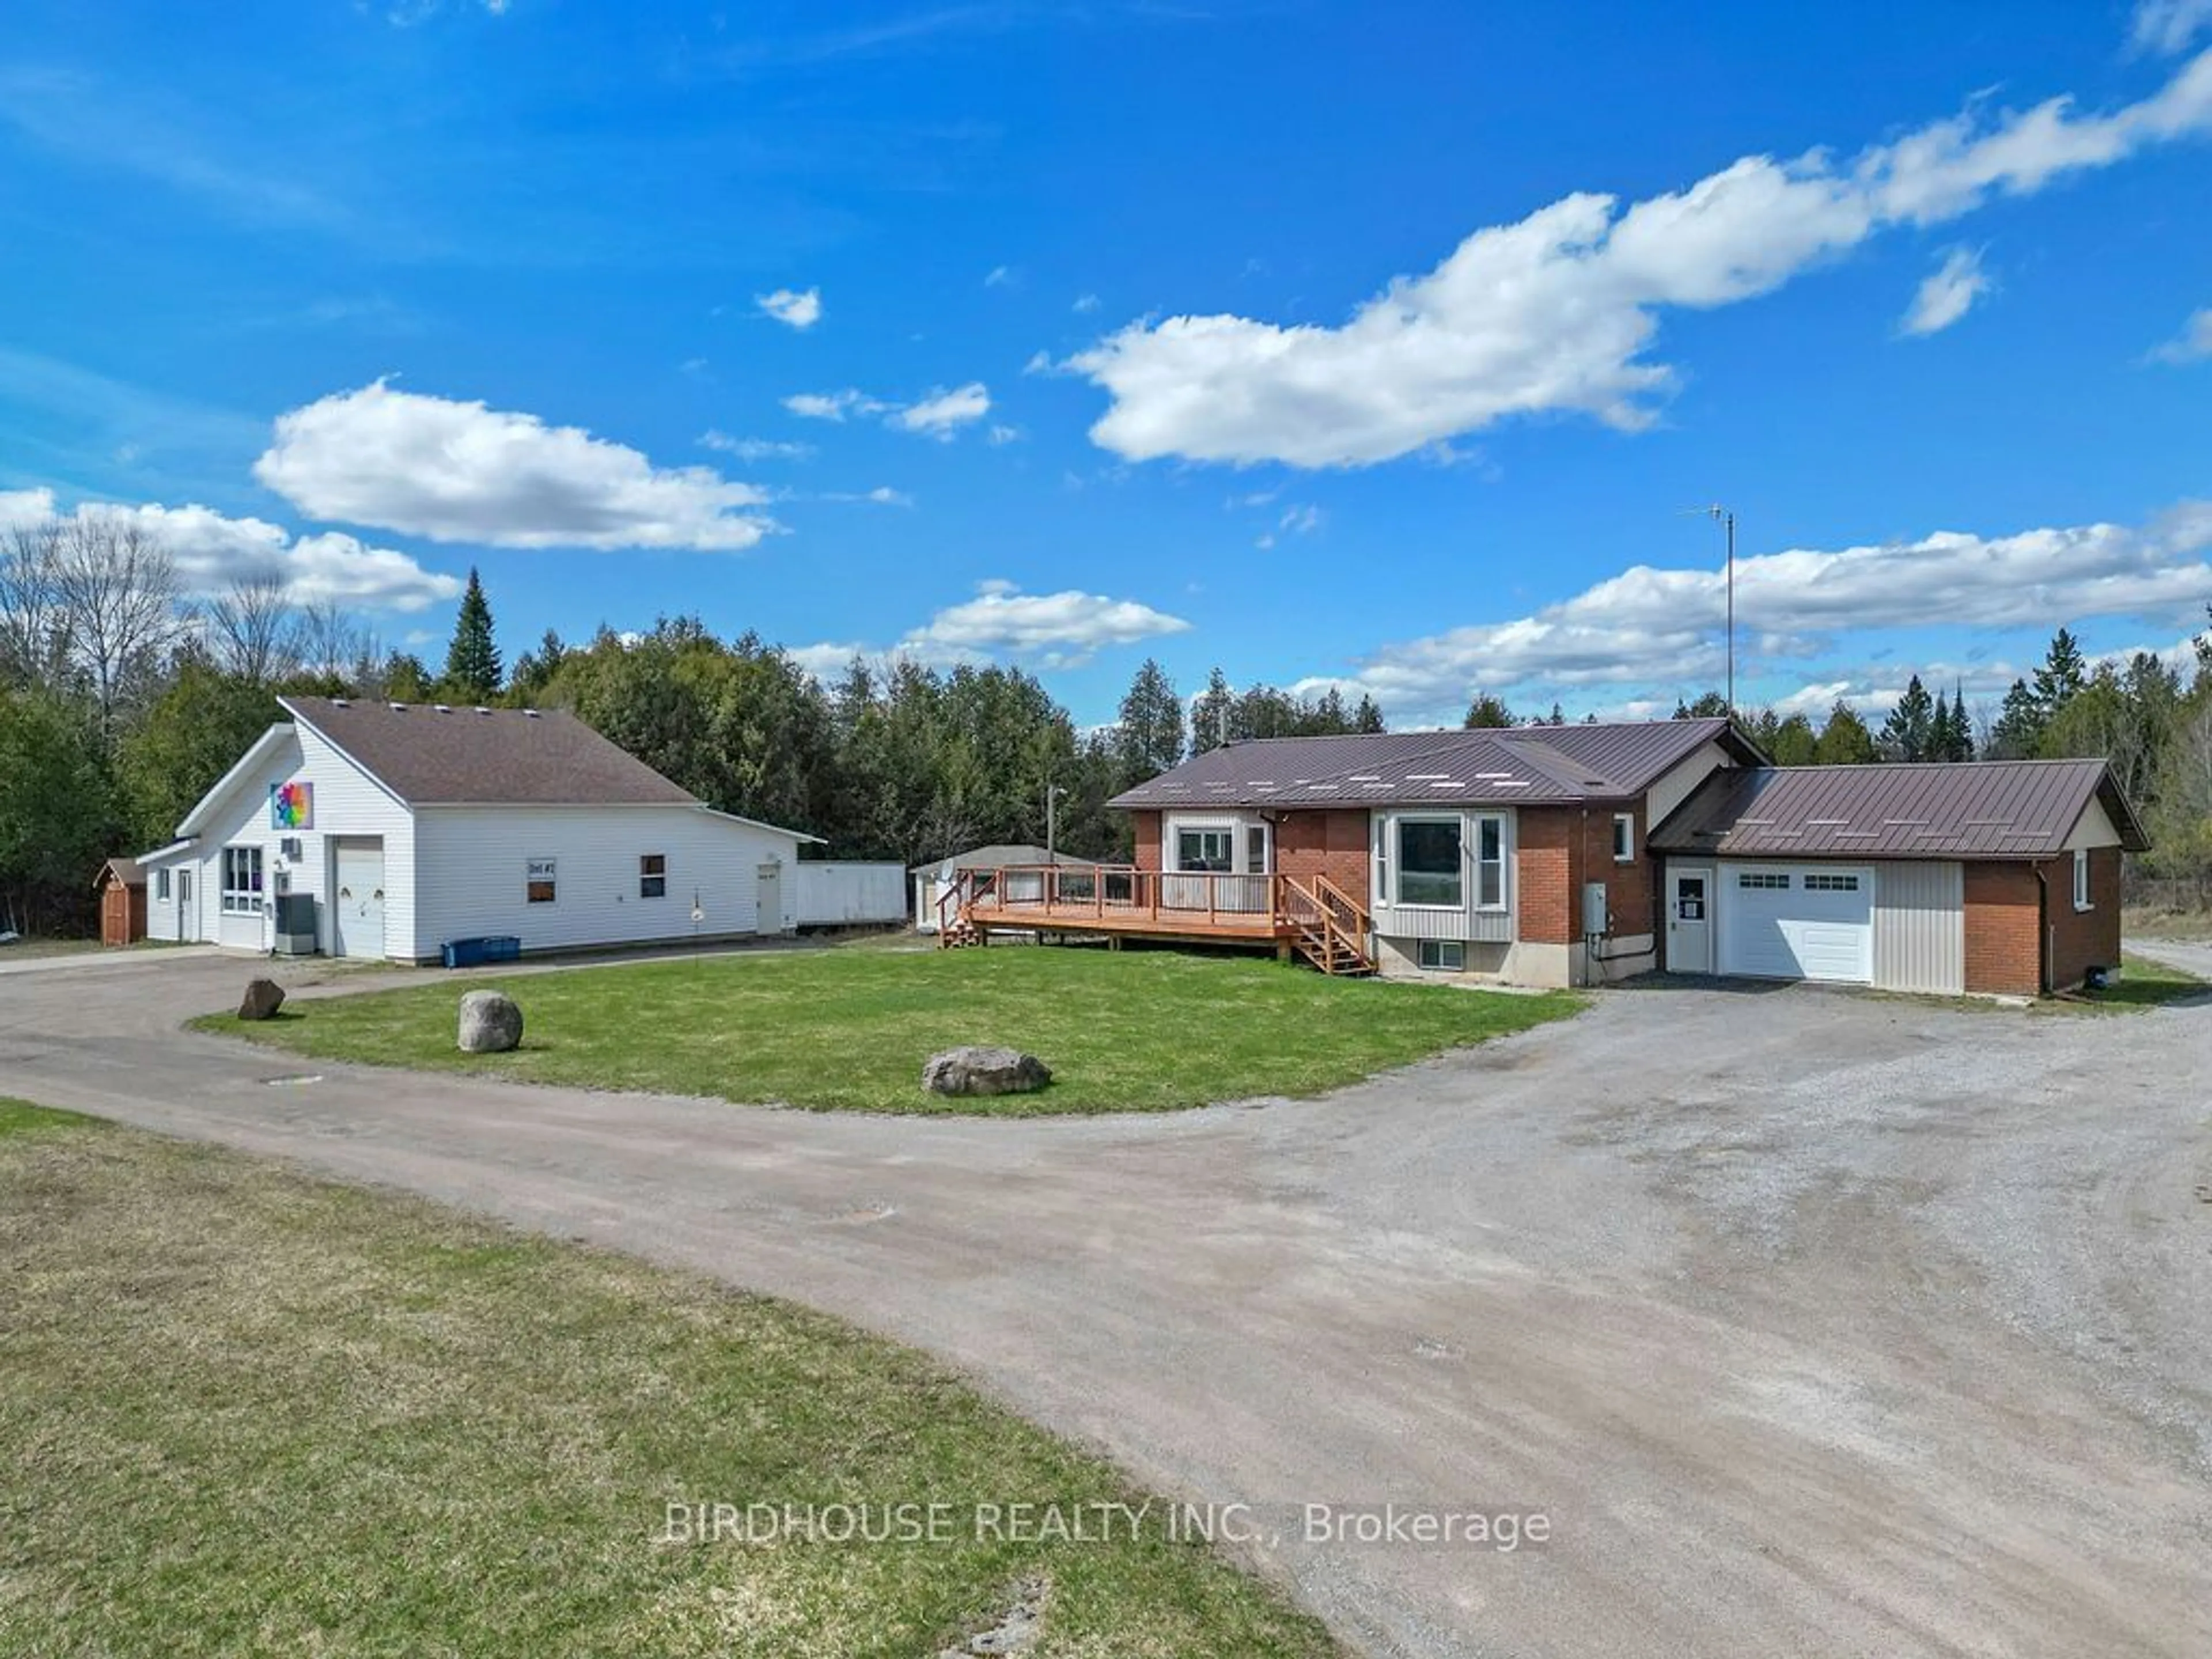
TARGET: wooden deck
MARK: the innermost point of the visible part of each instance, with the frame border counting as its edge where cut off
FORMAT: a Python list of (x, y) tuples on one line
[(1284, 912)]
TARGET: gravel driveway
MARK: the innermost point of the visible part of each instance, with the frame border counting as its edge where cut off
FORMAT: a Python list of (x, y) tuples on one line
[(1814, 1323)]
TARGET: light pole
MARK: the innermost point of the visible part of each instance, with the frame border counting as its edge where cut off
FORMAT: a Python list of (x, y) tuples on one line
[(1053, 791)]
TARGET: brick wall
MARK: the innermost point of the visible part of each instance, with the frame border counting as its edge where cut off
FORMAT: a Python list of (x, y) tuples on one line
[(2081, 939), (2004, 926), (1328, 844), (1147, 827), (1545, 871), (1629, 887)]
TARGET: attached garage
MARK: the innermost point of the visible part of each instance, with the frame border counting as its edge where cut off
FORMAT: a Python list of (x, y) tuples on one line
[(1797, 921), (1998, 876)]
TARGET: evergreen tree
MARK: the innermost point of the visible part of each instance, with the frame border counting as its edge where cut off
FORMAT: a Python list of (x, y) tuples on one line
[(1367, 718), (1845, 740), (1150, 735), (472, 666), (2062, 675), (1486, 711), (1959, 741), (1209, 712), (1911, 732), (1794, 743), (2018, 733)]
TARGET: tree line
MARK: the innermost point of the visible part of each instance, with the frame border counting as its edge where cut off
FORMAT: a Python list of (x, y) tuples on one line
[(122, 701)]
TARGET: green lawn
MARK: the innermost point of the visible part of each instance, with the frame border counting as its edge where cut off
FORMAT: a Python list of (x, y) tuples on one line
[(2142, 983), (848, 1030), (249, 1413)]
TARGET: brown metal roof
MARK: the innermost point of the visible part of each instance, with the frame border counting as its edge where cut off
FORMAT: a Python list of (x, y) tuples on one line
[(1980, 808), (460, 755), (1494, 767)]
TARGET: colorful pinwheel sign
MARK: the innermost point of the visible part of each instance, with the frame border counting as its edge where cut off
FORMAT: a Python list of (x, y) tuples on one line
[(291, 806)]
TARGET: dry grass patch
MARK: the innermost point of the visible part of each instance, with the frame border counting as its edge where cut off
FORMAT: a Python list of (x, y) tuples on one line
[(250, 1412)]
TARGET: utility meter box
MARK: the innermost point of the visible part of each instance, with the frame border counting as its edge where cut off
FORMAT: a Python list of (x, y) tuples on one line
[(1596, 921)]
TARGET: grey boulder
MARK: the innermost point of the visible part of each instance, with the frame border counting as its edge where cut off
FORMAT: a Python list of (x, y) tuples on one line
[(491, 1022), (975, 1071), (264, 997)]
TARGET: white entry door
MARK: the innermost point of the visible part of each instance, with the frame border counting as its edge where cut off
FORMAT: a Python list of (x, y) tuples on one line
[(1798, 921), (767, 885), (357, 908), (1690, 921), (188, 914)]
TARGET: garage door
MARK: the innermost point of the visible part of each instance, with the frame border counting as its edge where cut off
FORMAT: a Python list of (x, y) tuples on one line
[(1797, 921)]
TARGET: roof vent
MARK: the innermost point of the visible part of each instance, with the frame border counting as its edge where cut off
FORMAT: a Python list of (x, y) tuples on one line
[(530, 714), (481, 709), (398, 708), (340, 703), (442, 708)]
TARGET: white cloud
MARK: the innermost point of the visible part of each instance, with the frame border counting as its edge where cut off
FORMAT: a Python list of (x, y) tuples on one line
[(2168, 26), (1053, 631), (1002, 276), (799, 309), (1557, 312), (1947, 294), (881, 495), (462, 472), (1086, 304), (2194, 342), (212, 551), (1663, 626), (942, 413), (1001, 435), (752, 450), (832, 405), (1302, 521)]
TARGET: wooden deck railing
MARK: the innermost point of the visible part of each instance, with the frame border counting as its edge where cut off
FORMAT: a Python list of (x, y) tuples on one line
[(1310, 912)]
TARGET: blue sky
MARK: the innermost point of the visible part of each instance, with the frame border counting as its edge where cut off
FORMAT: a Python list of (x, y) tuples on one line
[(1376, 345)]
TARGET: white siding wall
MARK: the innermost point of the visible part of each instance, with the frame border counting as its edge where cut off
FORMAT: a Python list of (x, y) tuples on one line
[(471, 863), (346, 803), (1920, 926), (829, 893)]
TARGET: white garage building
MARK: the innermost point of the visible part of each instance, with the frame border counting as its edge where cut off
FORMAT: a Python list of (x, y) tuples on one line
[(411, 824)]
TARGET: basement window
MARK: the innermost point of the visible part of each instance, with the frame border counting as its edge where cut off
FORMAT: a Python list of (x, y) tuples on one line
[(1623, 837), (2082, 900), (1443, 956), (653, 875)]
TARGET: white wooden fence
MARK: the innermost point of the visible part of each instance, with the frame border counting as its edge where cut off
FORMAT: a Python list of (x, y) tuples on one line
[(834, 894)]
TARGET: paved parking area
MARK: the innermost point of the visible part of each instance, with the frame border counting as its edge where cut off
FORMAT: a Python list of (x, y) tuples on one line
[(1815, 1323)]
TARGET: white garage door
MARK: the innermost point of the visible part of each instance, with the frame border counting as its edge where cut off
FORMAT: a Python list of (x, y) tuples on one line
[(1797, 921)]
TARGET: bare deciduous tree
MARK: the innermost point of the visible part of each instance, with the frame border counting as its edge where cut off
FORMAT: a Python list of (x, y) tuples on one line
[(257, 628), (332, 642), (35, 643), (117, 590)]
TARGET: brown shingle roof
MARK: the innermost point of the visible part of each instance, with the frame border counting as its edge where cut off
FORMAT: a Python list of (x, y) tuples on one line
[(499, 756), (1982, 809), (1492, 768)]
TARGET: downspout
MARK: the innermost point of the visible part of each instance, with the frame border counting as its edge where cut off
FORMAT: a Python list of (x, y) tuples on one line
[(2044, 927)]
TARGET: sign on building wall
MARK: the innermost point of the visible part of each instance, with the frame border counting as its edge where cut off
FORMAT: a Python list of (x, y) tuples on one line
[(538, 881), (291, 806)]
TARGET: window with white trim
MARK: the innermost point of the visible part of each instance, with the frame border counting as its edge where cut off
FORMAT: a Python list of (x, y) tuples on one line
[(2082, 898), (1822, 881), (1201, 851), (1442, 955), (161, 883), (1773, 881), (1623, 837), (1490, 864), (242, 881), (1255, 849), (1429, 862), (653, 875)]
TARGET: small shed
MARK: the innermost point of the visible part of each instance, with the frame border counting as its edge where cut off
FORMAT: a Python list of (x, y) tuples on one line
[(122, 889)]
